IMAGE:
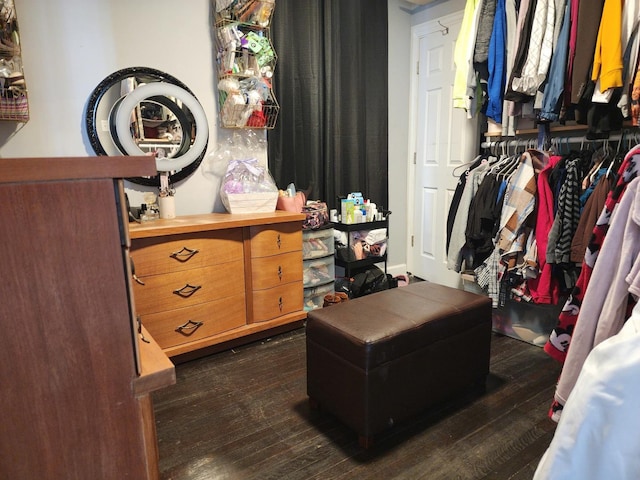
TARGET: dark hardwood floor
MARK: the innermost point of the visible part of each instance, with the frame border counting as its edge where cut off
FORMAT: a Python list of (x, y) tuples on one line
[(244, 414)]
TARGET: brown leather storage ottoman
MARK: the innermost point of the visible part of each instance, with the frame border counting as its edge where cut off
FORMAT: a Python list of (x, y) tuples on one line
[(376, 360)]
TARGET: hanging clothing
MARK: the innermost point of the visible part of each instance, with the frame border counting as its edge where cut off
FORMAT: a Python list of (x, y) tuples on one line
[(552, 100), (508, 120), (635, 99), (458, 239), (544, 288), (463, 54), (607, 58), (587, 32), (485, 27), (571, 55), (597, 436), (481, 52), (536, 65), (630, 43), (488, 276), (524, 28), (561, 336), (484, 214), (455, 200), (497, 64), (519, 201), (588, 217), (567, 216), (560, 6), (605, 303)]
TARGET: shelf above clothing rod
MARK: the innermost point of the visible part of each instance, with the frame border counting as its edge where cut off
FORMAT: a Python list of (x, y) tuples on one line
[(560, 140)]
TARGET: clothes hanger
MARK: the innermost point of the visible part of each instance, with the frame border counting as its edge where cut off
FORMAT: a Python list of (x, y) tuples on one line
[(463, 165), (510, 167), (618, 158)]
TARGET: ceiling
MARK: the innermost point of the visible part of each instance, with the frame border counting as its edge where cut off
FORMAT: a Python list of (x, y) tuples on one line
[(413, 4)]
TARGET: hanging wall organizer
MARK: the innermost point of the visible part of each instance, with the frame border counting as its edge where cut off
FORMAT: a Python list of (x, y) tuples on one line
[(14, 104), (246, 63)]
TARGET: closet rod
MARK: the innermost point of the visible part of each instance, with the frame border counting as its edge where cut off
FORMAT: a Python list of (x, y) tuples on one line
[(559, 140)]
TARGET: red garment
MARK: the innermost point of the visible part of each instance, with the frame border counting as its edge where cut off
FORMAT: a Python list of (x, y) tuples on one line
[(544, 288), (573, 35)]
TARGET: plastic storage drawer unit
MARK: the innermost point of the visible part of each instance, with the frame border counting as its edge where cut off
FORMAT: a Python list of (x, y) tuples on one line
[(318, 243), (314, 296), (318, 271)]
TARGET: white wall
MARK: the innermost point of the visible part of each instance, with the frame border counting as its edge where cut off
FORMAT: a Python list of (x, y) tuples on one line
[(399, 48), (69, 46)]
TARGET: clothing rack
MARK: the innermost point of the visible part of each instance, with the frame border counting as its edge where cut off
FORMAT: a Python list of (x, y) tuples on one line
[(559, 141)]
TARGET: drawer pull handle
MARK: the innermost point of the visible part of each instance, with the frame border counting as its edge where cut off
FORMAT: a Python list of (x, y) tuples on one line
[(187, 290), (280, 272), (279, 242), (184, 254), (189, 327), (280, 304), (140, 332), (133, 271)]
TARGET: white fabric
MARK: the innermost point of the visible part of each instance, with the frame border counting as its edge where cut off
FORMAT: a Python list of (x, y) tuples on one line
[(535, 68), (376, 235), (598, 436)]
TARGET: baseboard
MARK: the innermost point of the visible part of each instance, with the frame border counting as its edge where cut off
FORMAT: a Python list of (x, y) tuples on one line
[(400, 269)]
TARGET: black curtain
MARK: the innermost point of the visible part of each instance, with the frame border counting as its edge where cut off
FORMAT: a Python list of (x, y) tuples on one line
[(331, 82)]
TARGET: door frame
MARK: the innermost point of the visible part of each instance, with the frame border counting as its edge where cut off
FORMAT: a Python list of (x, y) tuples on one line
[(418, 32)]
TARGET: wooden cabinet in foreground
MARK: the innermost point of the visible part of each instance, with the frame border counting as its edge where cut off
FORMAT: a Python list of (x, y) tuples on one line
[(217, 279), (75, 370)]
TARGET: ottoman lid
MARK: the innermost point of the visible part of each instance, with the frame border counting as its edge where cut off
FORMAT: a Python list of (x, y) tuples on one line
[(374, 329)]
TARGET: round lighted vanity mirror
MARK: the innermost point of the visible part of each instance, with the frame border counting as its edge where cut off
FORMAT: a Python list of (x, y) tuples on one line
[(139, 111), (157, 127), (128, 124)]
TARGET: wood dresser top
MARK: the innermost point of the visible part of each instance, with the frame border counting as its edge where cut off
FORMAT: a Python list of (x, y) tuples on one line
[(209, 221)]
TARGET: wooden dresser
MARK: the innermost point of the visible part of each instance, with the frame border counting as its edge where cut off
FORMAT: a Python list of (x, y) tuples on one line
[(75, 372), (216, 279)]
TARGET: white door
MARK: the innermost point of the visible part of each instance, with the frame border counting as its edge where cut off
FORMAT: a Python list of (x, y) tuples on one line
[(443, 139)]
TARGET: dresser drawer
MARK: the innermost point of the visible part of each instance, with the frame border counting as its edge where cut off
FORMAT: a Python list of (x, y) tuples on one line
[(191, 287), (274, 302), (174, 253), (268, 272), (275, 239), (318, 271), (206, 319), (317, 243)]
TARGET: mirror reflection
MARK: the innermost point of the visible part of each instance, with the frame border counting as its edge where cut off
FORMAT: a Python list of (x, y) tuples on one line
[(156, 128)]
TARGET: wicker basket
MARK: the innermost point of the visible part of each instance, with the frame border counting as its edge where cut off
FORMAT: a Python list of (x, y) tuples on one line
[(14, 107)]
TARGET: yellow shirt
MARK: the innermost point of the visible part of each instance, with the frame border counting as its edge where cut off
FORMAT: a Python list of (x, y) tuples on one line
[(607, 58), (464, 43)]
